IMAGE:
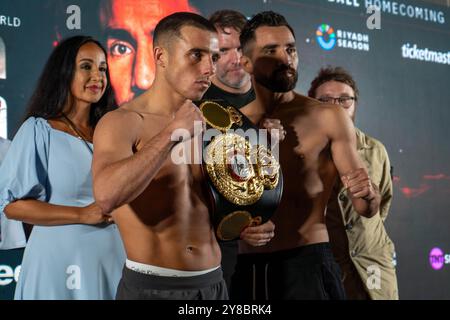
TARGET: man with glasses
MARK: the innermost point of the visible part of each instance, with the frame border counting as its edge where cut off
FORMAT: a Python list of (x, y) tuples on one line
[(361, 246)]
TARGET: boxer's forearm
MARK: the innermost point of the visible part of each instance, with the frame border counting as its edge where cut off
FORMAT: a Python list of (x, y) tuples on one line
[(368, 207), (122, 182)]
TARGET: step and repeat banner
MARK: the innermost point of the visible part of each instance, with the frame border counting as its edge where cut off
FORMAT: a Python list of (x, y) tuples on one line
[(399, 55)]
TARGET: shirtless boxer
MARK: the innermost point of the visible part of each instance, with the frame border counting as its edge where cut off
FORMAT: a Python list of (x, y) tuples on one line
[(320, 144), (161, 207)]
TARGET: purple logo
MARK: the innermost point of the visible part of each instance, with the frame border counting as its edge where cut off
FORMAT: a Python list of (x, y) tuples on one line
[(436, 258)]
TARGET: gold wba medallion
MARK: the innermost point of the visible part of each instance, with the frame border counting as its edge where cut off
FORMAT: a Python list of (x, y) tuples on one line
[(239, 171), (241, 174)]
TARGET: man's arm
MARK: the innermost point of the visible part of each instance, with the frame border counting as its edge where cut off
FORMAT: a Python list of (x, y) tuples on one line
[(341, 132), (120, 175), (386, 188)]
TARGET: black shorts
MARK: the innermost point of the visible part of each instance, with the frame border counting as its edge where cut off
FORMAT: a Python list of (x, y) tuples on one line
[(304, 273), (229, 251), (138, 286)]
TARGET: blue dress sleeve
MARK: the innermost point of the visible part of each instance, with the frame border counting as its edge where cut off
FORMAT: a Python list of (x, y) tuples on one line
[(23, 172)]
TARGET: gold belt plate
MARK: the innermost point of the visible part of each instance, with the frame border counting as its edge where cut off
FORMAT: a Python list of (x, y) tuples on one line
[(219, 117), (239, 171)]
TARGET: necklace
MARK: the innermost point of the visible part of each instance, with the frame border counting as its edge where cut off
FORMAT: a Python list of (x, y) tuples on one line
[(77, 132)]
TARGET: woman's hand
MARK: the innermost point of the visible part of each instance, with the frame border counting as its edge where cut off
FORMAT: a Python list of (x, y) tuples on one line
[(93, 214)]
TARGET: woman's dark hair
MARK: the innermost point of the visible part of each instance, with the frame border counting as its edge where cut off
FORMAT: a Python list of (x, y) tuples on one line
[(53, 88)]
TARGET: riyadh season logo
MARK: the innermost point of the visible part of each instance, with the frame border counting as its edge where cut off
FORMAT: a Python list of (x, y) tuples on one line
[(328, 38), (438, 259)]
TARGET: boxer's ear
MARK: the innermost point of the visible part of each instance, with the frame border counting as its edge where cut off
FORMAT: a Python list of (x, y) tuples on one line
[(160, 55), (247, 64)]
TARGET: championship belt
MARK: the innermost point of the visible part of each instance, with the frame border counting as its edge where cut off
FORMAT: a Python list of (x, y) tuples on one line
[(244, 179)]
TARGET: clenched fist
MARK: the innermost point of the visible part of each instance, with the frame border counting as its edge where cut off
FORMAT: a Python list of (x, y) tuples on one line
[(185, 119), (275, 128), (359, 185)]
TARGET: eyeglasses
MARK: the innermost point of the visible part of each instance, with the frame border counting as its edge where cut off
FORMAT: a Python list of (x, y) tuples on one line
[(343, 101)]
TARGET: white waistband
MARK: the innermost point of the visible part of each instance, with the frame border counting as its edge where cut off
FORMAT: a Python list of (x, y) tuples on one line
[(163, 272)]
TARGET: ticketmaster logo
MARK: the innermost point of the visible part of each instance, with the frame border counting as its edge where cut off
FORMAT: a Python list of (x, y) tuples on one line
[(415, 53)]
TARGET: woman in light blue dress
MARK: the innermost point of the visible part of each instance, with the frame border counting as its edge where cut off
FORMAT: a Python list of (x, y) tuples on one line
[(74, 251), (12, 234)]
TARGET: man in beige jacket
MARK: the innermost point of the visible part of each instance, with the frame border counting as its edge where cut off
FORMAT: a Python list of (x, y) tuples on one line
[(361, 245)]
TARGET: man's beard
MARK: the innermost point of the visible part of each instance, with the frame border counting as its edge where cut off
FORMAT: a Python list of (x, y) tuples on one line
[(279, 81)]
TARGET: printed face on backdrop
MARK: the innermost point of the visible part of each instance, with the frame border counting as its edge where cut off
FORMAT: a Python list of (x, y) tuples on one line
[(128, 27)]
